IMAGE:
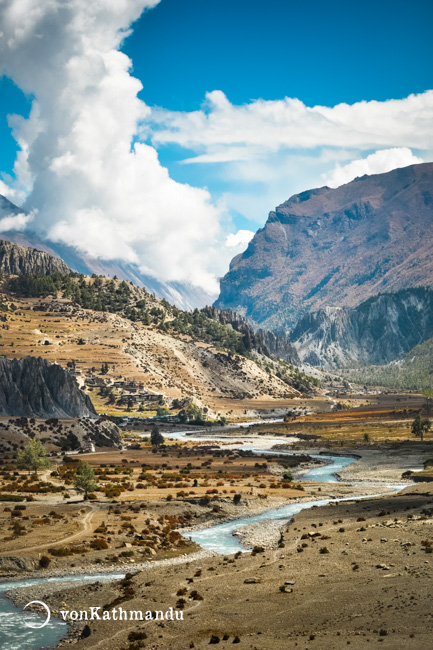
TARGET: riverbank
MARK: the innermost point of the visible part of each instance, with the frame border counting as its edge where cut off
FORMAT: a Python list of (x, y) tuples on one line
[(284, 548), (371, 584)]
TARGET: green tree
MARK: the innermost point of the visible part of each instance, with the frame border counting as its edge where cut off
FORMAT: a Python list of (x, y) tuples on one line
[(85, 479), (162, 410), (420, 426), (33, 456), (156, 437)]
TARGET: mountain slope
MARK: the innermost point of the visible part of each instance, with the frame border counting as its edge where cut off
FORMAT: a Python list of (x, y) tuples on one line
[(377, 331), (16, 260), (414, 371), (336, 247), (263, 341), (184, 296), (34, 387), (88, 322)]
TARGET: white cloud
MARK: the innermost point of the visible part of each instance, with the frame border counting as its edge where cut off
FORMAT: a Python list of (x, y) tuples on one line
[(15, 221), (240, 238), (221, 131), (376, 163), (79, 167)]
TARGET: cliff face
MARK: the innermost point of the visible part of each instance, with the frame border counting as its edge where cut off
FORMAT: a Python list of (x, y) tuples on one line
[(15, 260), (34, 387), (378, 331), (336, 247), (263, 341)]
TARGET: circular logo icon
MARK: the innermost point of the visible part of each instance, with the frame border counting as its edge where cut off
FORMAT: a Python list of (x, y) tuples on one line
[(37, 626)]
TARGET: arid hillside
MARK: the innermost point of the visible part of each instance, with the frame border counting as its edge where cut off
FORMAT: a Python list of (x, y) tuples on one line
[(103, 348)]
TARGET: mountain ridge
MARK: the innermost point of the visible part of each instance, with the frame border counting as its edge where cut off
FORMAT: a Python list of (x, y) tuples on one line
[(379, 330), (335, 247)]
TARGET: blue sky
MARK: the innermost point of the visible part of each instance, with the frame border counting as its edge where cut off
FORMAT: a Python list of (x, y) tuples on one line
[(320, 52), (245, 144)]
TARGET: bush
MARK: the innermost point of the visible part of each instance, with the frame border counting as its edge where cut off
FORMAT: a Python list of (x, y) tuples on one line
[(99, 544), (11, 497), (258, 549), (61, 551), (44, 562), (137, 636)]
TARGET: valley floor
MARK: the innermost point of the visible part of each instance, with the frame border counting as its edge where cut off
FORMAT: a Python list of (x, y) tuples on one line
[(354, 572)]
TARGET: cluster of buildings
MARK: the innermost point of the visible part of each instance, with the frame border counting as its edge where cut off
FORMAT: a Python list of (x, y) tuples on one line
[(130, 390)]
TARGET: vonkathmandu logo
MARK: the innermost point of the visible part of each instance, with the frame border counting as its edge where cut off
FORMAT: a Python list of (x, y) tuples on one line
[(101, 614), (120, 614)]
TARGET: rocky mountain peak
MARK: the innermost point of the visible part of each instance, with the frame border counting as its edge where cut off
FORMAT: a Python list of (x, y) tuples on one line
[(16, 260)]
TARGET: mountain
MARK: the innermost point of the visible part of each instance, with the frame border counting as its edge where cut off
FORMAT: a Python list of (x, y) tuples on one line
[(335, 248), (94, 322), (16, 260), (262, 341), (183, 295), (379, 330), (35, 387), (413, 371)]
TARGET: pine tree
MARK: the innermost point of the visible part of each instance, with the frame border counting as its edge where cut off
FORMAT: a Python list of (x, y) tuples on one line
[(85, 479)]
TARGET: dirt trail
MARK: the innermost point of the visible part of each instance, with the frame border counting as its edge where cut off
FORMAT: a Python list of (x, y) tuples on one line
[(87, 522)]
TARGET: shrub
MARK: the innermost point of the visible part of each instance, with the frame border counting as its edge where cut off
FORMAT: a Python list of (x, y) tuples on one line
[(44, 562), (258, 549), (137, 636), (11, 497), (61, 551), (99, 544)]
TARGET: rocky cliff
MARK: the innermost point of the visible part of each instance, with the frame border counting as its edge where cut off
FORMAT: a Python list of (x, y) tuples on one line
[(15, 260), (377, 331), (336, 247), (262, 341), (34, 387)]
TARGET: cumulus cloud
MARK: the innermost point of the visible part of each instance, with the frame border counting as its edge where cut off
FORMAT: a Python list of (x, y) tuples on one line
[(240, 238), (376, 163), (15, 221), (221, 131), (80, 165)]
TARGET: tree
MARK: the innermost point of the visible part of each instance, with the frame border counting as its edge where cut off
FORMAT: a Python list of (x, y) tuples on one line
[(428, 406), (162, 410), (420, 426), (156, 437), (85, 479), (33, 456)]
